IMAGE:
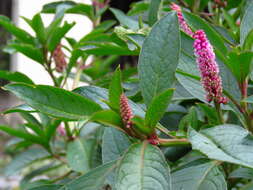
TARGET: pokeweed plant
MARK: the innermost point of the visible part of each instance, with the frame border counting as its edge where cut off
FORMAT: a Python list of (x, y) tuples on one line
[(183, 119)]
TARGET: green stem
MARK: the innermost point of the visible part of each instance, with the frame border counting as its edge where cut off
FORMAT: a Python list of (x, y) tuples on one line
[(174, 142), (68, 131), (219, 111)]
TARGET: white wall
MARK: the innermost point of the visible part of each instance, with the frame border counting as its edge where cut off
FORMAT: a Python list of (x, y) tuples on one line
[(28, 8)]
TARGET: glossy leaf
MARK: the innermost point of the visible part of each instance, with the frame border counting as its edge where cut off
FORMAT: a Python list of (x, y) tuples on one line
[(15, 77), (157, 108), (199, 175), (20, 108), (114, 144), (246, 25), (38, 27), (228, 143), (55, 101), (159, 57), (142, 165)]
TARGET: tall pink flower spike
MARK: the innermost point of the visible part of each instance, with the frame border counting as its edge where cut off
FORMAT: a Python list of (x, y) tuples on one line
[(125, 111), (184, 26), (208, 67)]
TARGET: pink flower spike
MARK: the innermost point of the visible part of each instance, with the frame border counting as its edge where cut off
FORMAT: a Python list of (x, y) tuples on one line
[(208, 68), (125, 111), (59, 59), (184, 26)]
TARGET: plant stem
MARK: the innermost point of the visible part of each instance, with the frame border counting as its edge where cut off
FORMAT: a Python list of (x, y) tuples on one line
[(219, 111), (174, 142), (68, 131)]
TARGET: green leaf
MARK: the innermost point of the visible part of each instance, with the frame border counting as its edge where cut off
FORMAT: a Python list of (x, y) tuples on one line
[(54, 101), (80, 154), (153, 11), (57, 34), (246, 25), (115, 90), (228, 143), (124, 19), (240, 64), (114, 144), (15, 77), (248, 43), (29, 51), (38, 27), (20, 34), (159, 57), (157, 108), (198, 23), (24, 159), (47, 187), (246, 173), (141, 166), (107, 117), (21, 134), (199, 175), (95, 179), (20, 108)]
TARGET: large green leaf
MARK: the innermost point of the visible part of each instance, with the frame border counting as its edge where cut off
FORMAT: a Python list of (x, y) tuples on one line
[(93, 180), (246, 173), (159, 57), (24, 159), (55, 101), (15, 77), (246, 24), (80, 154), (153, 11), (199, 175), (17, 32), (141, 166), (114, 144), (157, 108), (229, 143)]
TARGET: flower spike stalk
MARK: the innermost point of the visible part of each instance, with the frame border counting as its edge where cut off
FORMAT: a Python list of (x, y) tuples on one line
[(183, 25), (125, 111), (208, 68)]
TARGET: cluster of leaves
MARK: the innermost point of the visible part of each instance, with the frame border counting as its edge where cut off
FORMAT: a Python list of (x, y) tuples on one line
[(80, 131)]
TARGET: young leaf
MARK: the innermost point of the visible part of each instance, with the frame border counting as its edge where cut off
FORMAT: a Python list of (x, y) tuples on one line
[(199, 175), (157, 108), (229, 143), (38, 27), (20, 34), (115, 90), (80, 154), (55, 101), (153, 11), (114, 144), (246, 25), (94, 179), (24, 159), (142, 165), (159, 57), (107, 117), (15, 77), (29, 51)]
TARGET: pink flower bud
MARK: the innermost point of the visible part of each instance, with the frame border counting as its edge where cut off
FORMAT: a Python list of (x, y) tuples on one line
[(153, 139), (61, 130), (184, 26), (125, 111), (59, 59), (208, 67)]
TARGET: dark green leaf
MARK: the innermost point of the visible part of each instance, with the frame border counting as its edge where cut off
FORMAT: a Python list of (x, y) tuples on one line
[(141, 166), (114, 144), (15, 77), (153, 11), (20, 108), (248, 43), (20, 34), (246, 173), (157, 108), (199, 175), (47, 187), (159, 57), (38, 27), (229, 143), (246, 25), (55, 101)]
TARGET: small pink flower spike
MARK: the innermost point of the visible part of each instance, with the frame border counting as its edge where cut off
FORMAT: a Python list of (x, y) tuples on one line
[(184, 26), (125, 111), (59, 59), (208, 68)]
